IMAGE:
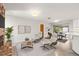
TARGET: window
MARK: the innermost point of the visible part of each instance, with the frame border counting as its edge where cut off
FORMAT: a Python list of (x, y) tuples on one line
[(65, 29)]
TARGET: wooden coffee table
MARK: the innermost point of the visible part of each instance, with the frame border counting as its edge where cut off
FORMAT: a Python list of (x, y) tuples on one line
[(26, 44)]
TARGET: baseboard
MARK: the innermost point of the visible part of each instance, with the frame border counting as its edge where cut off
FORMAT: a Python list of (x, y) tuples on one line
[(75, 52)]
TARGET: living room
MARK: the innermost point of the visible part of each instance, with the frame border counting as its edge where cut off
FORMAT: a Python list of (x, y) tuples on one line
[(40, 24)]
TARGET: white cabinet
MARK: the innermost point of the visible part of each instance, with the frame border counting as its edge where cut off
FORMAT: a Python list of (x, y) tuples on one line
[(75, 43), (75, 36)]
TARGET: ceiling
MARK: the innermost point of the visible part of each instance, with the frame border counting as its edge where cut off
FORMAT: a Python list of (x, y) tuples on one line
[(56, 11)]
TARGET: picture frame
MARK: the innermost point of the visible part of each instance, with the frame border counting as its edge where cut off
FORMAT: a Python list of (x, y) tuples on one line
[(21, 29), (27, 29)]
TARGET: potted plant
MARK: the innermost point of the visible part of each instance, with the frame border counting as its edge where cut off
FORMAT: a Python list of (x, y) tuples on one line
[(57, 29), (8, 33)]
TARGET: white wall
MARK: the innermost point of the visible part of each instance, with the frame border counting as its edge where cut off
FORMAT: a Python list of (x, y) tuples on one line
[(15, 21), (71, 27), (75, 37), (76, 23), (70, 30)]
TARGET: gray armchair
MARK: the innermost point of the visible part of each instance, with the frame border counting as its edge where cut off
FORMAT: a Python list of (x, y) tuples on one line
[(49, 45)]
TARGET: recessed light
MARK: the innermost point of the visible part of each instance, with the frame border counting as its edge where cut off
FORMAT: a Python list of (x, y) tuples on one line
[(35, 13), (56, 21)]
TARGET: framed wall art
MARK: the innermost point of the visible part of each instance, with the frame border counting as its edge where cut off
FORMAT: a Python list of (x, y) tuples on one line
[(21, 29), (27, 29)]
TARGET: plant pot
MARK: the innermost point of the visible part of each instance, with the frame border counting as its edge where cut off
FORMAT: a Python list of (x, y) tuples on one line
[(9, 42)]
